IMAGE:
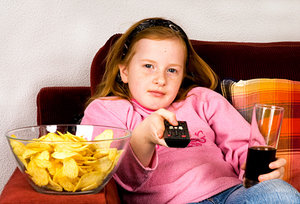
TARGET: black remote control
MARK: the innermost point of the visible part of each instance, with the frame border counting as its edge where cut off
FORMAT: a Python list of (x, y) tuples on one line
[(176, 136)]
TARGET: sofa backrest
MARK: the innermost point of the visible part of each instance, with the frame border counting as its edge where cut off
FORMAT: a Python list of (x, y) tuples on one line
[(230, 60)]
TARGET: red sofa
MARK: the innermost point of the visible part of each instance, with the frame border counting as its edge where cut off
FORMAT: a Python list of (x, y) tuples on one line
[(230, 60)]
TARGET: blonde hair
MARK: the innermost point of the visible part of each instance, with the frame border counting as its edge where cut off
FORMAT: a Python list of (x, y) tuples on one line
[(197, 72)]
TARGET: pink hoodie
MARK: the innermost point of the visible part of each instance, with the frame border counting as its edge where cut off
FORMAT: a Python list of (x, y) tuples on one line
[(210, 164)]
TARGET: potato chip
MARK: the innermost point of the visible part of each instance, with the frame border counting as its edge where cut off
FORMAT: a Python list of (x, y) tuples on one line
[(107, 161), (70, 146), (44, 155), (24, 161), (38, 175), (70, 168), (75, 138), (53, 185), (28, 153), (70, 137), (42, 159), (118, 156), (112, 153), (18, 147), (39, 146), (105, 135), (104, 164), (63, 154), (84, 170), (65, 182), (55, 166), (101, 153), (90, 181), (51, 137)]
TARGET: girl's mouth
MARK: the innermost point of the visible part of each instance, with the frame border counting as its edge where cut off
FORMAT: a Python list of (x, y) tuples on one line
[(156, 93)]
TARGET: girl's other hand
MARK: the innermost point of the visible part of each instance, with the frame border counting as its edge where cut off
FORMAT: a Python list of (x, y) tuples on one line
[(278, 172)]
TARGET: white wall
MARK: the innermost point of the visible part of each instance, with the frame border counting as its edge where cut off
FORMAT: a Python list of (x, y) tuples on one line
[(52, 42)]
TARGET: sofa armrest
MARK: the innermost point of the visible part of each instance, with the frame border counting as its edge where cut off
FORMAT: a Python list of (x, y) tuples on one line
[(61, 105)]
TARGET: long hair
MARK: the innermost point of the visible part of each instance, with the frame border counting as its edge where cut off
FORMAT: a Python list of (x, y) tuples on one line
[(197, 72)]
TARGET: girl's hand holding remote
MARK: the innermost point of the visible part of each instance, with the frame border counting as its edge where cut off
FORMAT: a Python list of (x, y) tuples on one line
[(150, 133)]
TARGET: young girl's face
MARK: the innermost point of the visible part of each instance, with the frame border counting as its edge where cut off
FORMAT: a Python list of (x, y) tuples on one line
[(155, 72)]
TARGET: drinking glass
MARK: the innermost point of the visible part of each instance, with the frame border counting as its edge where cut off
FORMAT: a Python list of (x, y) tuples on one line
[(264, 136)]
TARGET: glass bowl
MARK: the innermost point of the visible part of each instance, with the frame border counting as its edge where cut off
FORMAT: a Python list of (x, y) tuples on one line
[(68, 159)]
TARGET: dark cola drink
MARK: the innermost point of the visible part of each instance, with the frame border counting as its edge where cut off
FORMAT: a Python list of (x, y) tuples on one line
[(258, 161)]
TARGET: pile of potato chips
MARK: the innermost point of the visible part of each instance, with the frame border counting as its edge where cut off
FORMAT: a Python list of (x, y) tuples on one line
[(65, 162)]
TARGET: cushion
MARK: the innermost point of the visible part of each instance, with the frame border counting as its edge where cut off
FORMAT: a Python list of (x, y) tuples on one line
[(281, 92)]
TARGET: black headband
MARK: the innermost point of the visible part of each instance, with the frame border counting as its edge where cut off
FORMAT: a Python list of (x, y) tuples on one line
[(152, 23)]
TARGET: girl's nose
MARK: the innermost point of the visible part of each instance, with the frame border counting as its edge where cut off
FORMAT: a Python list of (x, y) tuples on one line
[(159, 78)]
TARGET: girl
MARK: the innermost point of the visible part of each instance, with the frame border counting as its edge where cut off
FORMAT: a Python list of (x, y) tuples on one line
[(153, 74)]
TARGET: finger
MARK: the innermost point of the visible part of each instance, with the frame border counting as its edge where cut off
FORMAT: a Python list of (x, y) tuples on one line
[(243, 166), (282, 171), (161, 141), (159, 133), (276, 174), (161, 115), (168, 115), (280, 162), (156, 122)]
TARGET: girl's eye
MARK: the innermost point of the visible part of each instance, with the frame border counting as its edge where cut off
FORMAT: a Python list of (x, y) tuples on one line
[(148, 66), (172, 70)]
